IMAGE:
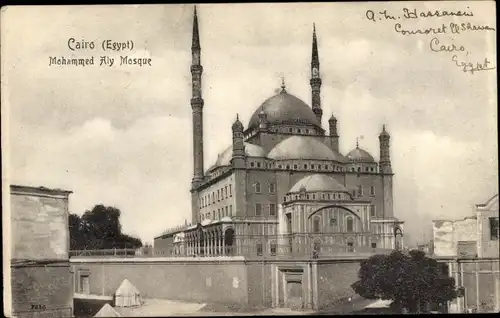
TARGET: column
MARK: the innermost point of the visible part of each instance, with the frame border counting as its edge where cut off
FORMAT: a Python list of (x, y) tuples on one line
[(210, 244), (223, 244)]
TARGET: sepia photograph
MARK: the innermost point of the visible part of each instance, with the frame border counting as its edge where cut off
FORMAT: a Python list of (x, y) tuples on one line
[(250, 159)]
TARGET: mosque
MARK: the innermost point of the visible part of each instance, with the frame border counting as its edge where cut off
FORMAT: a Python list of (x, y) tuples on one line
[(283, 187)]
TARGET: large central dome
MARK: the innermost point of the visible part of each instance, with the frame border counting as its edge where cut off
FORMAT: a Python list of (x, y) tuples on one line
[(285, 108)]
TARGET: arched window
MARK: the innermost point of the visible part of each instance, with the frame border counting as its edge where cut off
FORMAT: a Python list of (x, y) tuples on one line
[(251, 164), (316, 225), (258, 164), (349, 224), (360, 190), (257, 187), (359, 169), (305, 166)]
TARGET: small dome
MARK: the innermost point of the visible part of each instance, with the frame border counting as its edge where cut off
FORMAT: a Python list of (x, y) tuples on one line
[(237, 125), (318, 182), (332, 118), (384, 132), (251, 150), (303, 147), (285, 108), (360, 155)]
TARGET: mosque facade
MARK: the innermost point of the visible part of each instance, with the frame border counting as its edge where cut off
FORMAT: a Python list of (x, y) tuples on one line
[(283, 187)]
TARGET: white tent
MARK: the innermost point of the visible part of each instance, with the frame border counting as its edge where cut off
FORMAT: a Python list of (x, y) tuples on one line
[(127, 295), (107, 311)]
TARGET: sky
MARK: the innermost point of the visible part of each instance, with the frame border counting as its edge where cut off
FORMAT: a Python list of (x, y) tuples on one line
[(122, 135)]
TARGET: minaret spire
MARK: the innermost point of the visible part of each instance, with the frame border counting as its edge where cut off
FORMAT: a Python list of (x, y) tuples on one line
[(314, 55), (315, 78), (196, 34), (197, 104)]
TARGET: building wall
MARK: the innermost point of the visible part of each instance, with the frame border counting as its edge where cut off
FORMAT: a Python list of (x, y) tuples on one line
[(264, 178), (334, 279), (481, 279), (41, 281), (447, 234), (470, 236), (39, 225), (42, 290), (202, 280), (224, 197), (236, 281), (486, 246)]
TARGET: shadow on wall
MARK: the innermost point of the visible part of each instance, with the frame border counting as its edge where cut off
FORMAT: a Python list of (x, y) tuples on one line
[(88, 307)]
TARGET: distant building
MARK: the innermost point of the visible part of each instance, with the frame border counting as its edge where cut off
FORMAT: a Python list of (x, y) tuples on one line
[(283, 184), (474, 236), (42, 283)]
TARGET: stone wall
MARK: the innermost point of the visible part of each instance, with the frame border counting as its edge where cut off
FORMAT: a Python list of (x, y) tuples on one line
[(215, 280), (41, 281), (232, 281), (42, 290), (334, 279)]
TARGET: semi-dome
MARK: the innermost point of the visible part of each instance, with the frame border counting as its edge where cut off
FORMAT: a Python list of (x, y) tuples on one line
[(303, 147), (360, 155), (318, 182), (251, 150), (284, 108)]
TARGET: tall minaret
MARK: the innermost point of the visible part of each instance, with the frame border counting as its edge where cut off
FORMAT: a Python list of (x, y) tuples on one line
[(385, 158), (315, 79), (386, 172), (197, 105)]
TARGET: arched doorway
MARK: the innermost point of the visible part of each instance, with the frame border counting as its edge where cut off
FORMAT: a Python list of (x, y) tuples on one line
[(398, 238), (229, 241)]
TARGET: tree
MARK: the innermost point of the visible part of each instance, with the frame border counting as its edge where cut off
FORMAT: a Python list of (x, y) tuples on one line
[(411, 280), (99, 228)]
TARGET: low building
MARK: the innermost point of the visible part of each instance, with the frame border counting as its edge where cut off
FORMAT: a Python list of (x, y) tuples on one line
[(41, 280), (474, 236), (471, 246)]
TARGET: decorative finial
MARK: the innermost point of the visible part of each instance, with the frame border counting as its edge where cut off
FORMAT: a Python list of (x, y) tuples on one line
[(383, 127), (314, 27), (283, 86), (357, 142), (237, 117)]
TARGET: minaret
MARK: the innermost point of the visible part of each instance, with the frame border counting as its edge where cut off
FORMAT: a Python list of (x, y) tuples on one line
[(197, 105), (386, 176), (385, 159), (315, 79), (334, 137), (238, 158)]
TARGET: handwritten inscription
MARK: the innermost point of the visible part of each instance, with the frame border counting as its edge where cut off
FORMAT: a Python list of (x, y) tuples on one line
[(472, 67), (437, 46), (458, 53), (107, 45)]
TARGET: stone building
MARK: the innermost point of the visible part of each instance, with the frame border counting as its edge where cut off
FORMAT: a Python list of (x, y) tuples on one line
[(41, 280), (283, 186), (474, 236)]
